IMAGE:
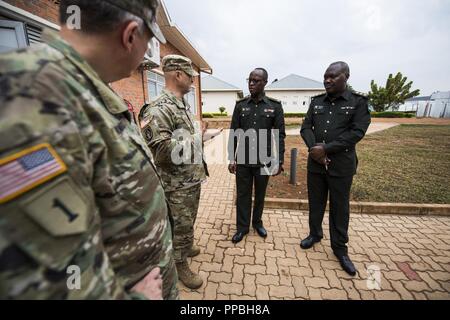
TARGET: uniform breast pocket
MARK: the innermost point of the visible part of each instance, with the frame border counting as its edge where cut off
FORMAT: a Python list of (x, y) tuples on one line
[(319, 112), (183, 124), (245, 118), (347, 111), (245, 113)]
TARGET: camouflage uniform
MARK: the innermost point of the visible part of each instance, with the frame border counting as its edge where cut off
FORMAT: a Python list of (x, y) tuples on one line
[(101, 207), (161, 121)]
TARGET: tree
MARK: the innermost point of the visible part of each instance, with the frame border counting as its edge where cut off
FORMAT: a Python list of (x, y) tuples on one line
[(222, 109), (395, 93)]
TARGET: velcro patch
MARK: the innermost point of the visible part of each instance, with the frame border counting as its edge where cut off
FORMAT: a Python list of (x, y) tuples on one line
[(27, 169)]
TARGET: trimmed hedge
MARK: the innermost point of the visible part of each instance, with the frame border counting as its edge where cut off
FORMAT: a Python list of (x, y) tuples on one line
[(294, 115), (209, 115), (393, 114), (218, 114)]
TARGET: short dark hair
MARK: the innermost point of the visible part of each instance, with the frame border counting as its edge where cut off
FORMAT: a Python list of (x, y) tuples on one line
[(265, 73), (343, 66), (98, 16)]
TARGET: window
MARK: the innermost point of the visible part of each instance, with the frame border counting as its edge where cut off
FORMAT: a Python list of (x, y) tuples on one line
[(156, 84), (19, 28), (12, 35), (191, 99)]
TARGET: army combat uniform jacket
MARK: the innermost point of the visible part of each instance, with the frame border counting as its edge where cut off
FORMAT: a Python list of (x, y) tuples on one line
[(82, 210), (339, 125), (176, 142)]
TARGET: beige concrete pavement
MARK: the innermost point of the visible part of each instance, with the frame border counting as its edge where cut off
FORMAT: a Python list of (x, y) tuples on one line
[(398, 257)]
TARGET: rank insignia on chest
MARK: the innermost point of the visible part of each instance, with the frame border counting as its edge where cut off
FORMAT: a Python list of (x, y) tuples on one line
[(269, 110), (348, 108), (245, 109), (318, 107)]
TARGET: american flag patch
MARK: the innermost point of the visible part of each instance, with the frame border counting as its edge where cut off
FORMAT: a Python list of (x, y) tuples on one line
[(28, 169)]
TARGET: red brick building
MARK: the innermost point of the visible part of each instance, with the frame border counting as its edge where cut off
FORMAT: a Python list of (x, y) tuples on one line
[(22, 22)]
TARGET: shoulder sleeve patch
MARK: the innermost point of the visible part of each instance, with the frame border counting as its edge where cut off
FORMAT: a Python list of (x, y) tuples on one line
[(66, 210), (27, 169)]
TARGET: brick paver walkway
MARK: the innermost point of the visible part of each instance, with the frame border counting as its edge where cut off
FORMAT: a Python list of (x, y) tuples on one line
[(411, 252)]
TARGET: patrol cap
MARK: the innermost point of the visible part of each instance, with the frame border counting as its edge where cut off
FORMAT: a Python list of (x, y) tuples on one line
[(144, 9), (174, 62)]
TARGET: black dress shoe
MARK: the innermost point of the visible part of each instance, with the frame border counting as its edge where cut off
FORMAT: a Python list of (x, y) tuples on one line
[(347, 265), (261, 231), (238, 237), (309, 242)]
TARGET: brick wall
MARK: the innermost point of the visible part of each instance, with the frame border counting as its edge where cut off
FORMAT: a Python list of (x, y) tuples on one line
[(134, 88), (46, 9)]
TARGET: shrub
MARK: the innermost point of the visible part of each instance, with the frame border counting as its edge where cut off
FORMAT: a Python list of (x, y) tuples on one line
[(217, 114), (294, 115), (392, 114)]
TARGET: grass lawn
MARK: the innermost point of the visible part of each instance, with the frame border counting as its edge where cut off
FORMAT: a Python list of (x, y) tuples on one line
[(407, 163)]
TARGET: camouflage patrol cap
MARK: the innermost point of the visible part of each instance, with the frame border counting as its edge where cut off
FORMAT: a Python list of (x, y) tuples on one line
[(175, 62), (144, 9)]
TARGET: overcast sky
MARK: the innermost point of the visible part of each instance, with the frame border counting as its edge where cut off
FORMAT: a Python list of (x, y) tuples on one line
[(375, 37)]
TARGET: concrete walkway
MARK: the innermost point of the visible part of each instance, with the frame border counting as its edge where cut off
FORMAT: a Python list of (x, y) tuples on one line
[(398, 257)]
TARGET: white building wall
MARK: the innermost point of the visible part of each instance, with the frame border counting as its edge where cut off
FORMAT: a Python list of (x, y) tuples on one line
[(294, 101), (439, 108), (212, 101)]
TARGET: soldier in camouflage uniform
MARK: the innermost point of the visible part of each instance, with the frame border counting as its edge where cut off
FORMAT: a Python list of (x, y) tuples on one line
[(79, 194), (170, 131)]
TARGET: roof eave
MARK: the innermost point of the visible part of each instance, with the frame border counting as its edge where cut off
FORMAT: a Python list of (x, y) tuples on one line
[(295, 89), (176, 37), (221, 90)]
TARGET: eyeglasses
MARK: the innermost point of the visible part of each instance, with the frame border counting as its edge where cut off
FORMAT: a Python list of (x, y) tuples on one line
[(255, 81)]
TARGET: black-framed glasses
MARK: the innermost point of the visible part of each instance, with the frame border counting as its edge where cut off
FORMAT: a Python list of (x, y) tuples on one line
[(255, 81)]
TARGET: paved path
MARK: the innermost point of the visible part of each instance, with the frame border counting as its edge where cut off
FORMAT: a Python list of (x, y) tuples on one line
[(374, 127), (412, 254)]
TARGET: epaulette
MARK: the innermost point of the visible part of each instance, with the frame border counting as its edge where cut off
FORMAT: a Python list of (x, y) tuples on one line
[(318, 95), (361, 94), (245, 98), (273, 99)]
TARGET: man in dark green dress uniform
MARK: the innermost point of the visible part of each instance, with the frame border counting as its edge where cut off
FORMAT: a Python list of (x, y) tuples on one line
[(336, 121)]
